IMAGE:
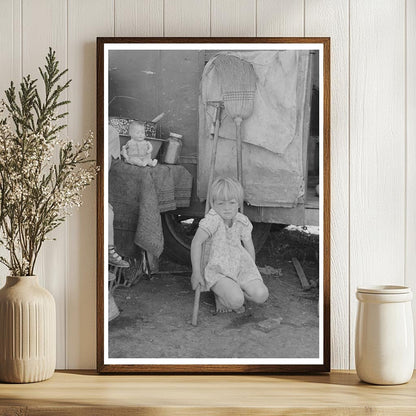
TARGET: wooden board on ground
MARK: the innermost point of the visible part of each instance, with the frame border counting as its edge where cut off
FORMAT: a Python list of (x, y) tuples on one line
[(301, 274)]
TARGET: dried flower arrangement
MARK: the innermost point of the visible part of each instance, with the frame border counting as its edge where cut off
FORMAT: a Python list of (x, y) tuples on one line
[(42, 176)]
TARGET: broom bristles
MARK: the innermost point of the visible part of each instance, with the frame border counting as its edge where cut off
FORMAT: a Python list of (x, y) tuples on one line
[(238, 84)]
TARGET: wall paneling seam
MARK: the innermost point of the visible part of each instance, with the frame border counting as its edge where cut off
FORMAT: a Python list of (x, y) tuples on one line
[(304, 17), (210, 18), (349, 185), (21, 39), (65, 344), (405, 145)]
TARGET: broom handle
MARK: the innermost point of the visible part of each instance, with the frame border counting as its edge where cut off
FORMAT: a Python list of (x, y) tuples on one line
[(238, 121), (211, 177), (196, 306), (213, 155)]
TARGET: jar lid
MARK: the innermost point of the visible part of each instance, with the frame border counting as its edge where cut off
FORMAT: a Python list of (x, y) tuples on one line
[(175, 135), (384, 289)]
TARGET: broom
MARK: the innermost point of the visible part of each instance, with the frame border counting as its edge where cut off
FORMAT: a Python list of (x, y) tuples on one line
[(238, 83)]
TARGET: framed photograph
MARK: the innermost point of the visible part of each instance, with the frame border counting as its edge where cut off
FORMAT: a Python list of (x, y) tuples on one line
[(213, 227)]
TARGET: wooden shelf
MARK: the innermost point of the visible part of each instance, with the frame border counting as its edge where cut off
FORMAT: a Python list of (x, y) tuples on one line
[(86, 393)]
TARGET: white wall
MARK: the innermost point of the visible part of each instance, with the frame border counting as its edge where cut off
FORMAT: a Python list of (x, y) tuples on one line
[(373, 132)]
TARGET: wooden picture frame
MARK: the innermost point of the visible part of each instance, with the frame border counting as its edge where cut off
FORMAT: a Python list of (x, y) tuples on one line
[(152, 73)]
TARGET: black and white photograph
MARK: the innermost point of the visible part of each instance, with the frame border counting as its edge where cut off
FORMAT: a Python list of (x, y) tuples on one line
[(214, 193)]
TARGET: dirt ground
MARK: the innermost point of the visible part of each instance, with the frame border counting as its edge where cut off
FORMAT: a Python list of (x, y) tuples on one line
[(155, 314)]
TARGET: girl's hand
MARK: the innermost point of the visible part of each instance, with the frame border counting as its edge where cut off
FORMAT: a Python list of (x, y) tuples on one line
[(196, 279), (124, 152), (196, 253)]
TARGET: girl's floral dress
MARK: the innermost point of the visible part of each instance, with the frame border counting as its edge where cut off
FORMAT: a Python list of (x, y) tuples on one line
[(227, 257)]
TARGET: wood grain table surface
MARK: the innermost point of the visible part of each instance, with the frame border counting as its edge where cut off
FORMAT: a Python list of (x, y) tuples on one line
[(86, 393)]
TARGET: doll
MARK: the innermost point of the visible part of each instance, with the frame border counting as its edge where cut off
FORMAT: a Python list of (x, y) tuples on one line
[(137, 151)]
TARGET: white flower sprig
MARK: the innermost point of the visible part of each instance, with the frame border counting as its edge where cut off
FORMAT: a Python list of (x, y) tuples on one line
[(36, 193)]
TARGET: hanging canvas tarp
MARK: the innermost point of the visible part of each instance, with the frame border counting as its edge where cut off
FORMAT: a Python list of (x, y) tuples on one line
[(273, 136)]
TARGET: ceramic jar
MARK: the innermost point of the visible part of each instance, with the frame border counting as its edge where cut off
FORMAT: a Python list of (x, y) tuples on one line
[(384, 339), (27, 331)]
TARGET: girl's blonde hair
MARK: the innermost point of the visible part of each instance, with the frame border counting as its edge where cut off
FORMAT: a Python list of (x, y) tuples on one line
[(225, 188)]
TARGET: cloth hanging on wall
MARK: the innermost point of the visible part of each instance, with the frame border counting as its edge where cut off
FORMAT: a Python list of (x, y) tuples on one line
[(272, 135)]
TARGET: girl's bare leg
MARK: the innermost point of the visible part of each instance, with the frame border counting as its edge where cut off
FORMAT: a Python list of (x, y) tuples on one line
[(228, 295), (255, 291)]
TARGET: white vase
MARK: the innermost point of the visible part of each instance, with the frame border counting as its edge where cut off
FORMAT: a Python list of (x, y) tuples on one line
[(27, 331), (384, 338)]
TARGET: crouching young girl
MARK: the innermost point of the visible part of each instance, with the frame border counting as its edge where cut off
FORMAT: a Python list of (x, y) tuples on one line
[(230, 272)]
